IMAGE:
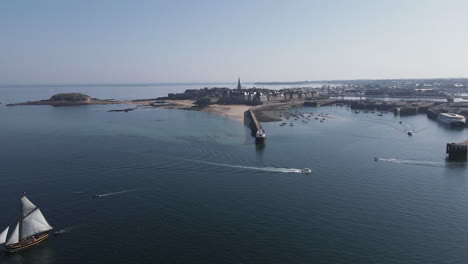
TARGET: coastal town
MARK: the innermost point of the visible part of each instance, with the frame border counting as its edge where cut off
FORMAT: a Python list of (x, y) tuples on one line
[(413, 89), (402, 97), (444, 101)]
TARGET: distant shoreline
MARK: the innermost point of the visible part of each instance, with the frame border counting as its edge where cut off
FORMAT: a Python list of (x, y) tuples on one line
[(235, 112)]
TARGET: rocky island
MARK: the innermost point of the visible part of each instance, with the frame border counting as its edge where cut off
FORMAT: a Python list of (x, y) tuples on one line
[(69, 99)]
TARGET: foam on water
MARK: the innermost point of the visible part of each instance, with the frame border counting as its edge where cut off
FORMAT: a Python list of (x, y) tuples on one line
[(65, 230), (115, 193), (413, 162), (268, 169)]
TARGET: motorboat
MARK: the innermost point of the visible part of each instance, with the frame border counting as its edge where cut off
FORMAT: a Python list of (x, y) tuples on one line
[(306, 170), (410, 133)]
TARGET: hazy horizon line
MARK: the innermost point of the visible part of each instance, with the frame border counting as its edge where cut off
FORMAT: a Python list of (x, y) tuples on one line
[(212, 83)]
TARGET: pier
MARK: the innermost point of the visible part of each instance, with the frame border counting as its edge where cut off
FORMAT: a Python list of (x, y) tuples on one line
[(323, 102), (251, 121), (457, 151)]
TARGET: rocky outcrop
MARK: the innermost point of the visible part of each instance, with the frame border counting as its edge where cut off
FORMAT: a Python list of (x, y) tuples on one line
[(69, 99)]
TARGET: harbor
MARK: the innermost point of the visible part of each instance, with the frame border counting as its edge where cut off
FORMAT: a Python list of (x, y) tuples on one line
[(189, 165)]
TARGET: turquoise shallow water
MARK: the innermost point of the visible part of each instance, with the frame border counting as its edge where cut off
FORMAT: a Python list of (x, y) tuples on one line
[(191, 187)]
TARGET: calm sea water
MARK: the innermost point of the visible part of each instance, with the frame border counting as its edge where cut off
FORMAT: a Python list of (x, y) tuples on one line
[(191, 187)]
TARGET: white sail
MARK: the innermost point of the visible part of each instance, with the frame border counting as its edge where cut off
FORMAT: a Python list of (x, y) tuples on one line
[(28, 207), (14, 237), (3, 235), (35, 223)]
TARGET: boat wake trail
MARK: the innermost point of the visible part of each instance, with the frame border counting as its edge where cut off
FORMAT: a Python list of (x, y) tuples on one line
[(414, 162), (268, 169), (115, 193), (65, 230)]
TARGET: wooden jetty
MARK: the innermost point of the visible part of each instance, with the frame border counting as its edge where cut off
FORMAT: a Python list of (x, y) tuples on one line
[(457, 151)]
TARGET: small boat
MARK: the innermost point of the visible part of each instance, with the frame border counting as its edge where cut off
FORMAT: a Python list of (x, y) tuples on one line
[(401, 122), (306, 170), (96, 195), (357, 112), (410, 133), (321, 120), (376, 159), (32, 228)]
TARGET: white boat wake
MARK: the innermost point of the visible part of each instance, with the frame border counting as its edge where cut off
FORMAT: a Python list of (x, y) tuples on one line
[(115, 193), (414, 162), (65, 230), (268, 169)]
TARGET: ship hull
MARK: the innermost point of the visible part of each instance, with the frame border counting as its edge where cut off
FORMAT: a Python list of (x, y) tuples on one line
[(27, 243), (453, 122)]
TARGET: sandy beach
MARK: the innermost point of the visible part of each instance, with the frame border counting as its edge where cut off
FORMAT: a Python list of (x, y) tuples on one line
[(167, 104), (265, 113), (233, 112)]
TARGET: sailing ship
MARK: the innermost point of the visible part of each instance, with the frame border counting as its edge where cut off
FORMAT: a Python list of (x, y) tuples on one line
[(31, 229)]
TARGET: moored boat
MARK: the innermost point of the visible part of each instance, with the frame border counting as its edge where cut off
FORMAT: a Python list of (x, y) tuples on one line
[(31, 229), (452, 119)]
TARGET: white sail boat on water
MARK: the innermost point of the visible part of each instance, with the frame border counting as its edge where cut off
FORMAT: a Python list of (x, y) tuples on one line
[(31, 229)]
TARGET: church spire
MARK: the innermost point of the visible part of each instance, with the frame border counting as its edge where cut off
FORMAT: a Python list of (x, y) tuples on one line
[(238, 84)]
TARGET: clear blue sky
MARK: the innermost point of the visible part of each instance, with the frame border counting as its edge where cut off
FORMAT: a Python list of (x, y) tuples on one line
[(44, 42)]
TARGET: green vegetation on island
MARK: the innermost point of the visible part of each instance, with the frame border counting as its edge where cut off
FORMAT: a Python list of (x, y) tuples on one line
[(71, 97)]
